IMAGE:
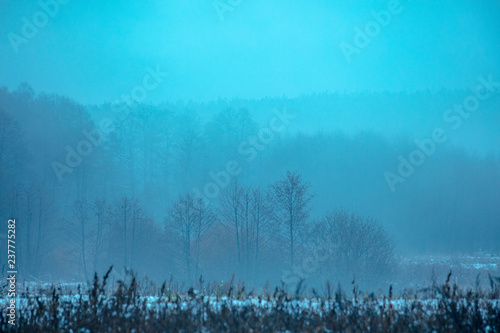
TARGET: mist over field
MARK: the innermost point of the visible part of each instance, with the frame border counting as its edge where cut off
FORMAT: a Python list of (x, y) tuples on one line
[(279, 141)]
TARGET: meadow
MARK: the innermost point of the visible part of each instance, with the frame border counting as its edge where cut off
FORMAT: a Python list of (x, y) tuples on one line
[(141, 306)]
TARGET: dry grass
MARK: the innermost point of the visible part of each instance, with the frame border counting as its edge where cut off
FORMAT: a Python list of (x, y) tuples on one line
[(229, 308)]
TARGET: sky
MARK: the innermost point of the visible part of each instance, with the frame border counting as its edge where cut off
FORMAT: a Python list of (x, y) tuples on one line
[(95, 51)]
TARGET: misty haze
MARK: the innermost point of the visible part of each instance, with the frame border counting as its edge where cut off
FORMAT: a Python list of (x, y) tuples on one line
[(171, 165)]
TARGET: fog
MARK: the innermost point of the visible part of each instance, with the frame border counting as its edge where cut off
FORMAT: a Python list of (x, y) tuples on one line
[(164, 136)]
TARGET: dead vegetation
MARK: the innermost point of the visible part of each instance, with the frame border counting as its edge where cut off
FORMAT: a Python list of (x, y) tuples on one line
[(227, 307)]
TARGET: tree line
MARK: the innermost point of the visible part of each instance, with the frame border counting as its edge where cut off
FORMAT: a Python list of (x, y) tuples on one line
[(160, 153), (257, 234)]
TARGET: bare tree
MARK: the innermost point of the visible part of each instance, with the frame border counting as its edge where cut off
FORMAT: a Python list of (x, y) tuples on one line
[(190, 218), (231, 210), (44, 212), (291, 200), (261, 222), (34, 206), (39, 209), (100, 215), (127, 220), (248, 211), (14, 156), (29, 208), (187, 145), (137, 219), (79, 232), (353, 245), (204, 220)]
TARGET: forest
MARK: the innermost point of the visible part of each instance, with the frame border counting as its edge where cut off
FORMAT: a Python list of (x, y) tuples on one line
[(258, 188)]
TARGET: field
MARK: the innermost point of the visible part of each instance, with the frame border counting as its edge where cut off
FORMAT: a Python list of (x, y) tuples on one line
[(141, 307)]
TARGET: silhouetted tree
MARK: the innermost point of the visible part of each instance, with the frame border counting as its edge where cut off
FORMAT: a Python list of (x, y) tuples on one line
[(291, 200), (79, 232), (231, 211), (353, 245), (190, 218)]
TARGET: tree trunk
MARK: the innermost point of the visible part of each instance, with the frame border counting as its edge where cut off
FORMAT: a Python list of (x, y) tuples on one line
[(237, 235), (82, 222)]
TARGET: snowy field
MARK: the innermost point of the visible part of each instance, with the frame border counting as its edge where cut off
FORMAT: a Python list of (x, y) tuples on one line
[(108, 306)]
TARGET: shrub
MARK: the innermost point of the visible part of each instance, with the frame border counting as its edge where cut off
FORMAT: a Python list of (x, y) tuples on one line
[(353, 246)]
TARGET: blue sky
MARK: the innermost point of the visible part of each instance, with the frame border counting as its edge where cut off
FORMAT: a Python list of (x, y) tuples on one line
[(94, 51)]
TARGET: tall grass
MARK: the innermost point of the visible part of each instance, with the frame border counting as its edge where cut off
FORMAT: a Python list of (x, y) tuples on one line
[(227, 307)]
